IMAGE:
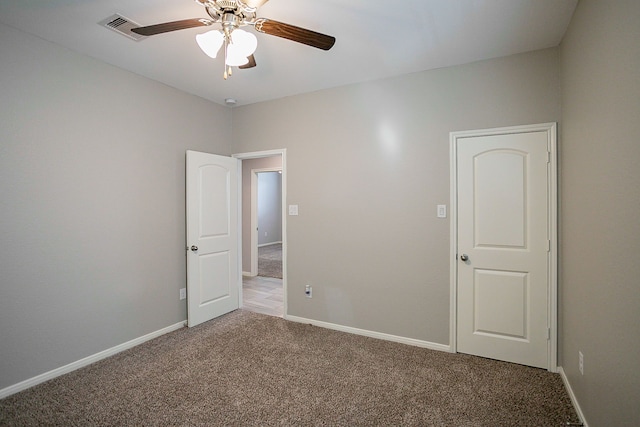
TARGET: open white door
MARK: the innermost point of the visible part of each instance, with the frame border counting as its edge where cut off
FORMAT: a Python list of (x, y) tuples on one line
[(504, 245), (213, 269)]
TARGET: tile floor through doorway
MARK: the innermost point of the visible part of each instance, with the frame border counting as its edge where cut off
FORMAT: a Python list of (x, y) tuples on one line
[(263, 295)]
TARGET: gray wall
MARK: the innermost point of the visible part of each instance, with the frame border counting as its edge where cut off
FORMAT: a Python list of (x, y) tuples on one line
[(600, 175), (247, 166), (92, 203), (269, 208), (367, 237)]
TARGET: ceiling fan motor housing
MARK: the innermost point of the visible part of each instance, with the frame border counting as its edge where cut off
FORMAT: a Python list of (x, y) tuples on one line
[(225, 10)]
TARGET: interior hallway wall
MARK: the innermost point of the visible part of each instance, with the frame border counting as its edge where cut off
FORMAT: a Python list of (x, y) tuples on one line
[(92, 212), (600, 176), (367, 237)]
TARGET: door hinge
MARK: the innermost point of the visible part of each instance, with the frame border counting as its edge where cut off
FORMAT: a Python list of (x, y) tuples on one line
[(548, 157), (548, 245), (548, 334)]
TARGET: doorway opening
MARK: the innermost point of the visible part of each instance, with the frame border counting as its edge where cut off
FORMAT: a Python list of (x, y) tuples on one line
[(263, 253)]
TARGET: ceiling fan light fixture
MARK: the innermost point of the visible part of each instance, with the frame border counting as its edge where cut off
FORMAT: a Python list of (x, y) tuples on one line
[(210, 42), (239, 45)]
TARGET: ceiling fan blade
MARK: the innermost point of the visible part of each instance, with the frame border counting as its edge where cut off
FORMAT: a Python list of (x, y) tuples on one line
[(171, 26), (250, 64), (254, 3), (297, 34)]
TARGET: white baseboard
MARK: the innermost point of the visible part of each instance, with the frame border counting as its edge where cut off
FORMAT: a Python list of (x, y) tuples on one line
[(23, 385), (248, 274), (371, 334), (574, 400)]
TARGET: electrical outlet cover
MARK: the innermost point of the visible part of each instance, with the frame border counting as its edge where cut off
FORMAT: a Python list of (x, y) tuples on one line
[(581, 363)]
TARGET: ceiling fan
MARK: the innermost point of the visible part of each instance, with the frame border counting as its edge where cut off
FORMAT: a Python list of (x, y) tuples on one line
[(239, 45)]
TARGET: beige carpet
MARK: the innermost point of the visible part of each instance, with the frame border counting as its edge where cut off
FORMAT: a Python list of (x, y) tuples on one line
[(270, 261), (251, 369)]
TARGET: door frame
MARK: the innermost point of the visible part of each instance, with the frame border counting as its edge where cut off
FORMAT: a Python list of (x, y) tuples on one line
[(552, 230), (257, 155), (254, 216)]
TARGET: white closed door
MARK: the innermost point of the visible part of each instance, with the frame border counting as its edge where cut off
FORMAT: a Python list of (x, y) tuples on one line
[(213, 270), (503, 244)]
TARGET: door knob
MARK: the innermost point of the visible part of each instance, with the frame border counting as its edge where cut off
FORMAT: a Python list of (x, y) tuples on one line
[(464, 257), (194, 248)]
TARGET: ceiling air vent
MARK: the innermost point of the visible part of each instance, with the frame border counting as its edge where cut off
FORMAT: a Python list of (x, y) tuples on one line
[(122, 25)]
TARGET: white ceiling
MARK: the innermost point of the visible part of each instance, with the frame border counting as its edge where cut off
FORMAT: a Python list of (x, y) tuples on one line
[(375, 39)]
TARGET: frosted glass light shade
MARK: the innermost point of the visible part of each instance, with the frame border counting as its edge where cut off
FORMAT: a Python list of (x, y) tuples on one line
[(210, 42), (234, 58), (243, 42)]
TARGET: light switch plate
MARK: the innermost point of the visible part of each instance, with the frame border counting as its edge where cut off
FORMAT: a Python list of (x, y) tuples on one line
[(442, 211), (293, 209)]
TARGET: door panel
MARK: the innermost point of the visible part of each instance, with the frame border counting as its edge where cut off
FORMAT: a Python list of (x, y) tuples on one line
[(213, 215), (505, 316), (503, 227), (213, 270), (500, 199), (215, 277)]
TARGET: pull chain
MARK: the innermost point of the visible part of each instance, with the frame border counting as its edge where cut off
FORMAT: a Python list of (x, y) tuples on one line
[(227, 68)]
